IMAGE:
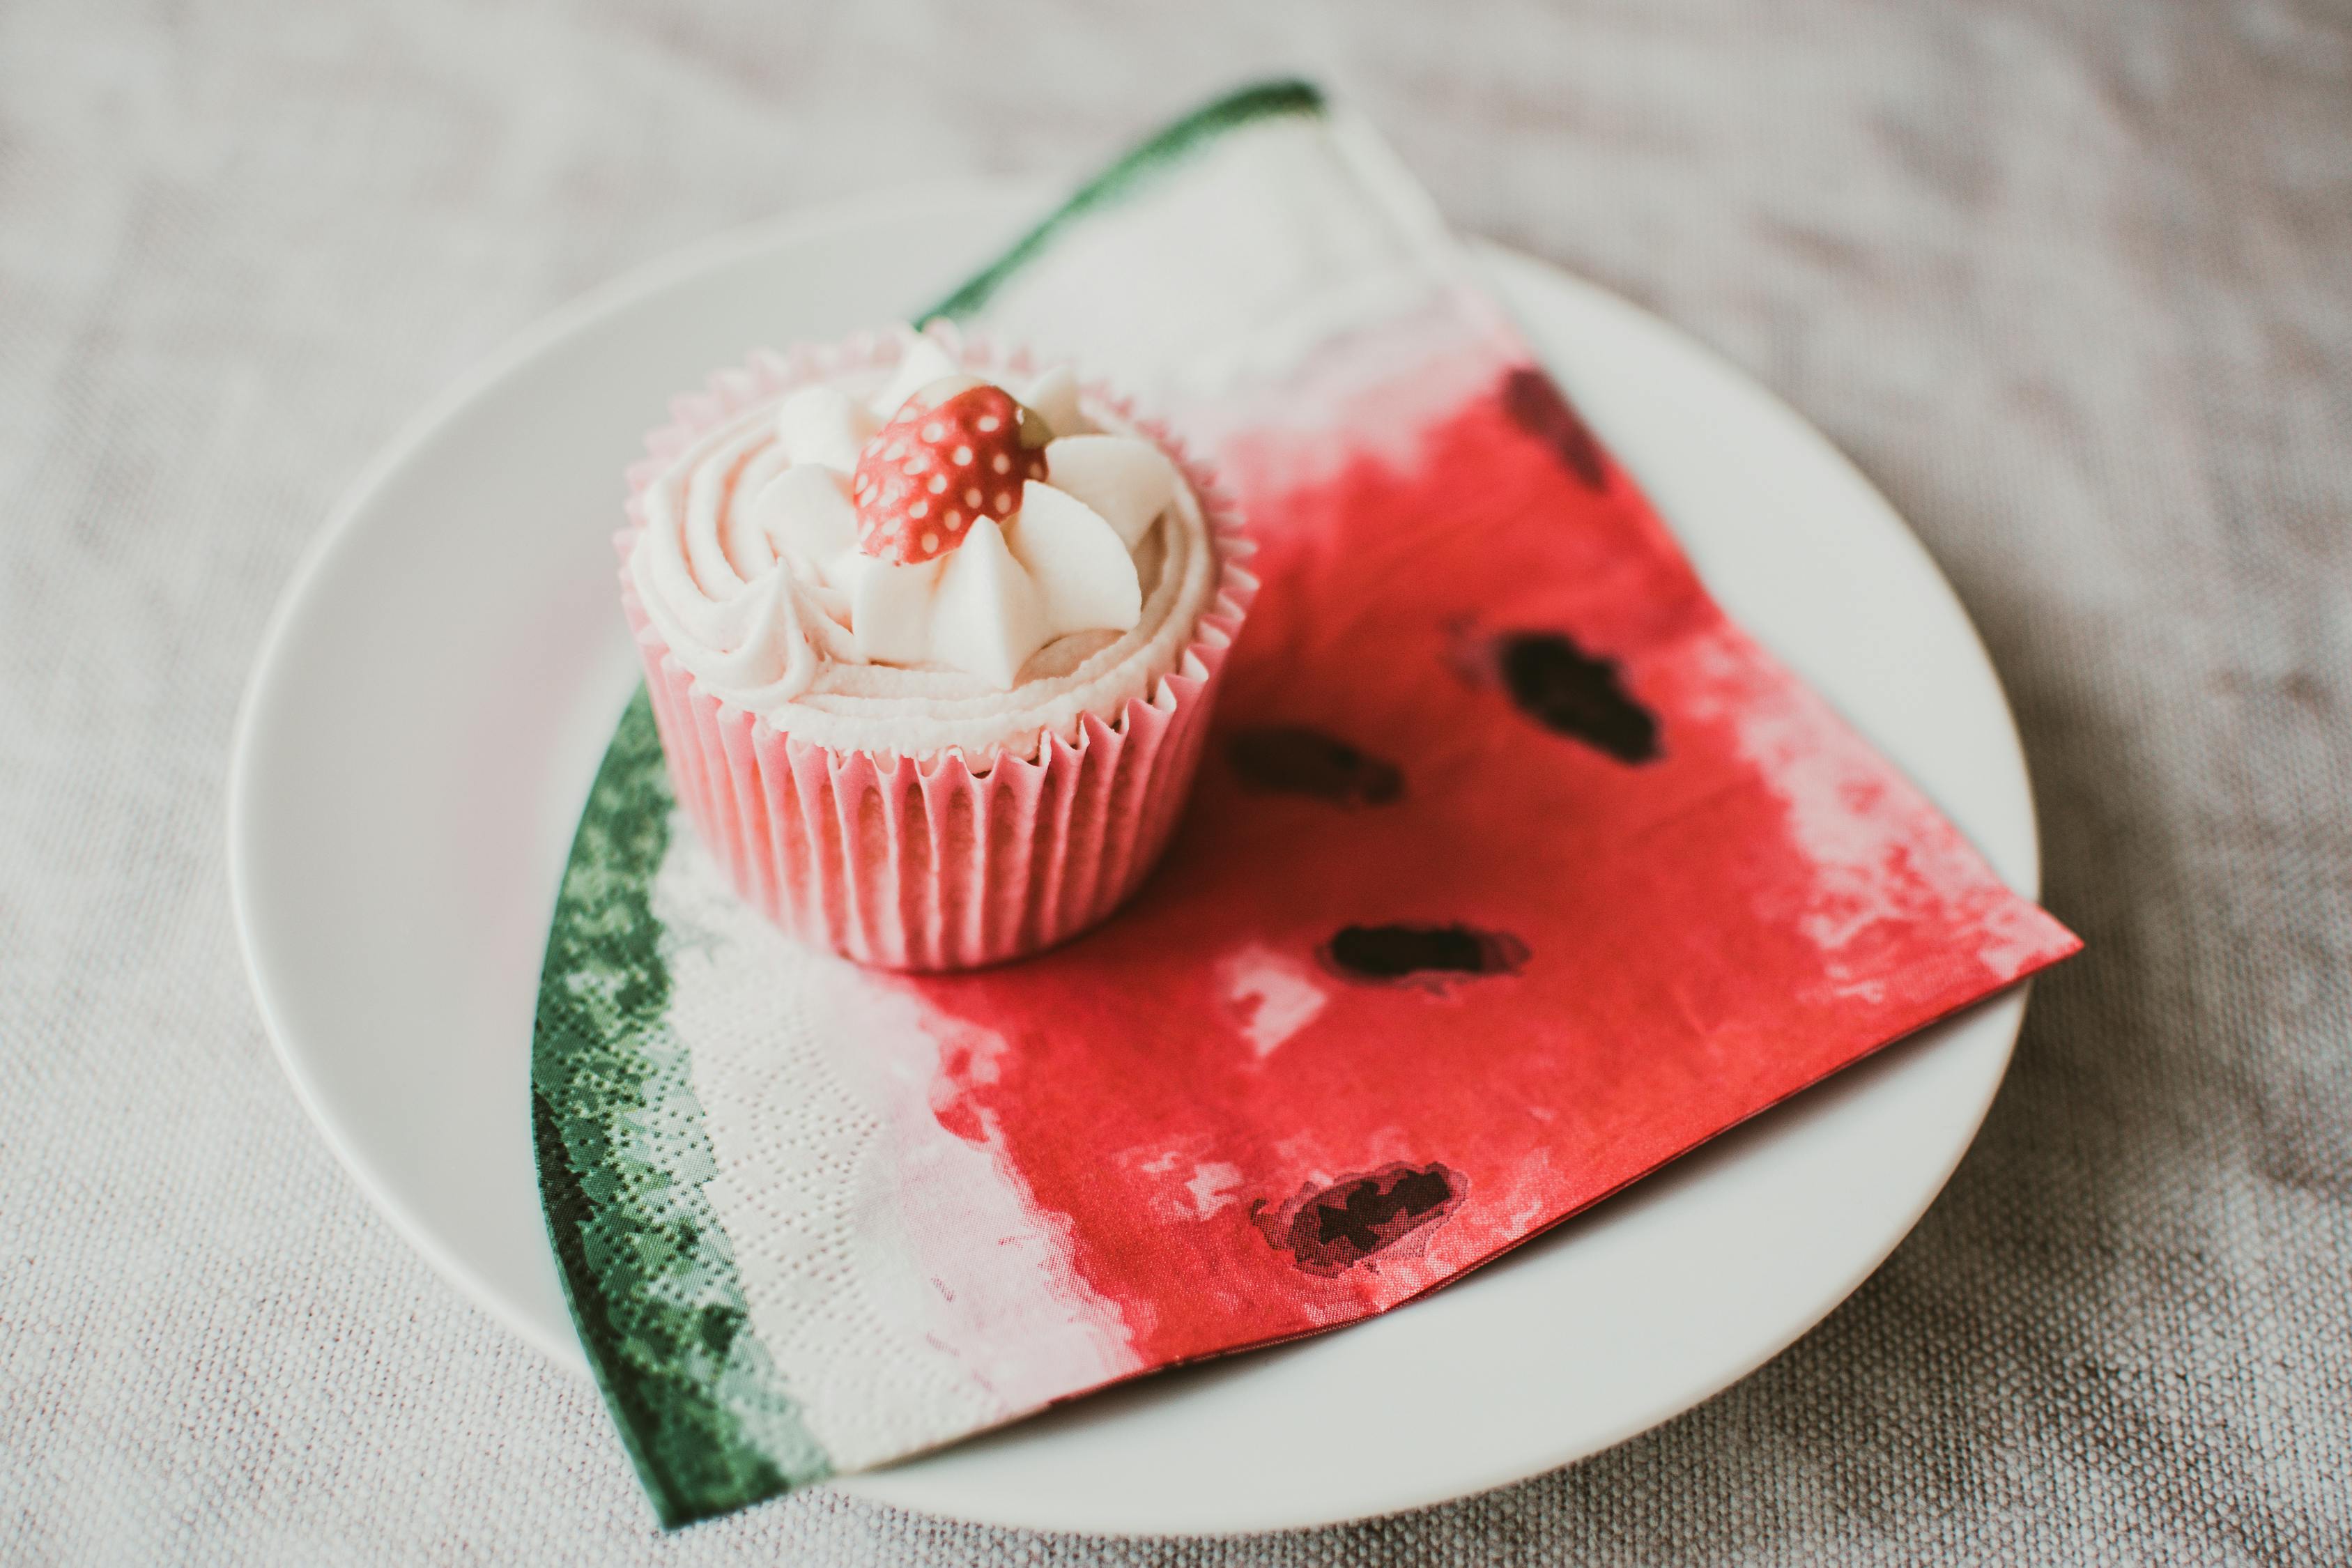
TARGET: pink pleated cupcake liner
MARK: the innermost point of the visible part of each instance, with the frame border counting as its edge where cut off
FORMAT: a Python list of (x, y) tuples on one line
[(944, 861)]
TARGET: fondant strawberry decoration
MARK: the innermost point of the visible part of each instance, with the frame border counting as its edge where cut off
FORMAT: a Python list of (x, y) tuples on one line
[(957, 451)]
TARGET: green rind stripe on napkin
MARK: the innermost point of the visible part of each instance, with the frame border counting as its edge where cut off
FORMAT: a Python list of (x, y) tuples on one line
[(622, 1145), (1263, 101), (623, 1155), (622, 1148)]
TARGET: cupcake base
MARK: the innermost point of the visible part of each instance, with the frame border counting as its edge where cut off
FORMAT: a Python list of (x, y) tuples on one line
[(929, 865)]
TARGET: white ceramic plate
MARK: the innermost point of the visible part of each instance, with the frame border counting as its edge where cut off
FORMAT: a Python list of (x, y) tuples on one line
[(442, 675)]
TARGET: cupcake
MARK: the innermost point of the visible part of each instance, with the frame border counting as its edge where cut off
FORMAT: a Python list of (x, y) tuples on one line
[(931, 637)]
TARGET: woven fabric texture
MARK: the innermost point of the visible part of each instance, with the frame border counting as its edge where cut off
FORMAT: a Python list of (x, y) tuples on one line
[(2069, 280)]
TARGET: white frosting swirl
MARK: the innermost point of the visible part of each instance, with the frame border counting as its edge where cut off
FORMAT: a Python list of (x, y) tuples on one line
[(758, 625)]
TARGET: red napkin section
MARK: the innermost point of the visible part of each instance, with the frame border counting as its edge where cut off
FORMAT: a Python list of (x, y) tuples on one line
[(1515, 870)]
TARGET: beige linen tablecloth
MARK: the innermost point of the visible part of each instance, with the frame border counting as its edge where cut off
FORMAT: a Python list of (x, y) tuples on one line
[(2069, 280)]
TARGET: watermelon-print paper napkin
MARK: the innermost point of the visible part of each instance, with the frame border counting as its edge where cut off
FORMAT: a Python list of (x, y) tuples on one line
[(1515, 871)]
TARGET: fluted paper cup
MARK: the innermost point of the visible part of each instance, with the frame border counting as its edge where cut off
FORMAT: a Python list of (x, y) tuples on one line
[(942, 861)]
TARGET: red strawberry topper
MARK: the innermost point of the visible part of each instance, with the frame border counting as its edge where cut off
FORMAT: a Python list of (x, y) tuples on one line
[(957, 451)]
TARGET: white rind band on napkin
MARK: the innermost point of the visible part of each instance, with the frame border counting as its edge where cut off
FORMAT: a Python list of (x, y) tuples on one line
[(850, 1283)]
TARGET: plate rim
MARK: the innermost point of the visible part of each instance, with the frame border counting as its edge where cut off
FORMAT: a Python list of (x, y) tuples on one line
[(681, 266)]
